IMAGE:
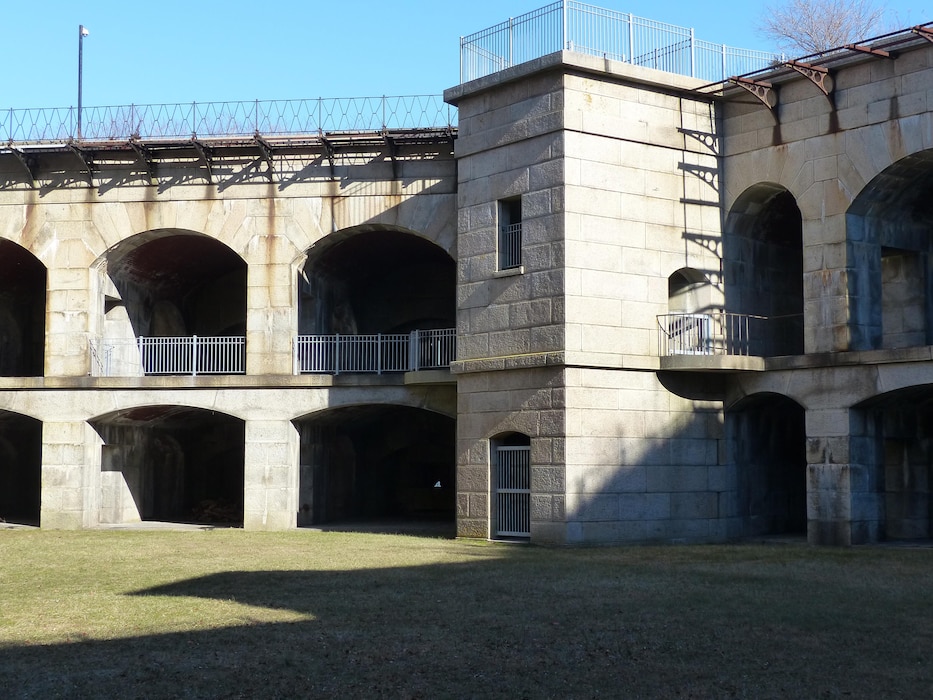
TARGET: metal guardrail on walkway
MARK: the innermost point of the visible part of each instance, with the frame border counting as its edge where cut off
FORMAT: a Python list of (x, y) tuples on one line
[(173, 355), (218, 119), (376, 353), (568, 25)]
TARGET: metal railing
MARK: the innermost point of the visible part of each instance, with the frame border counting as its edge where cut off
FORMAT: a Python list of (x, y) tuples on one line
[(216, 119), (513, 491), (192, 355), (510, 246), (575, 26), (705, 333), (722, 333), (376, 353)]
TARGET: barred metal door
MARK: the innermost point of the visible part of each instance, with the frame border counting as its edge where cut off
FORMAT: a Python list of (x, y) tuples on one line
[(513, 491)]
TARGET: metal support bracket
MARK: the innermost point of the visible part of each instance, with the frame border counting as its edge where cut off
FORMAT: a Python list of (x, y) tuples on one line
[(330, 154), (923, 32), (265, 150), (85, 161), (145, 159), (392, 147), (763, 91), (880, 53), (206, 156), (818, 75), (28, 162)]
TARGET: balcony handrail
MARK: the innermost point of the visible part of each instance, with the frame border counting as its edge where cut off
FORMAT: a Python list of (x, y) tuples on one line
[(121, 123), (568, 25), (706, 333), (376, 353), (177, 355)]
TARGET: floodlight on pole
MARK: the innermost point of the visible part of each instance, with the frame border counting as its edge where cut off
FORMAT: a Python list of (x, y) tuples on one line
[(82, 32)]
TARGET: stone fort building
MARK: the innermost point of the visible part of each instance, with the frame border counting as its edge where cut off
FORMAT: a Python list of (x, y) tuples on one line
[(615, 300)]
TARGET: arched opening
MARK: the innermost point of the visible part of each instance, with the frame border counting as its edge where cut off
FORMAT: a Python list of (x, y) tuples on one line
[(380, 465), (376, 281), (171, 464), (692, 326), (22, 312), (763, 269), (510, 467), (174, 303), (767, 441), (20, 468), (893, 437), (888, 244)]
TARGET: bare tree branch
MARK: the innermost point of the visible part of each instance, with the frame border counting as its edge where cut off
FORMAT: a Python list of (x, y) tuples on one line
[(811, 26)]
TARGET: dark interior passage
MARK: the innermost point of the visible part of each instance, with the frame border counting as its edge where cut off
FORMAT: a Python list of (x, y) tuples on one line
[(376, 281), (767, 438), (763, 268), (20, 468), (170, 283), (897, 446), (172, 464), (888, 244), (376, 463), (22, 312)]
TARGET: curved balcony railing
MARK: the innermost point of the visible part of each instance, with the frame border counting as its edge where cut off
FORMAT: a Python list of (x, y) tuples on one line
[(375, 353), (722, 333)]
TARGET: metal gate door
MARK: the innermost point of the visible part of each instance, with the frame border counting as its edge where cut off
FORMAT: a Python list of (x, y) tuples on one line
[(513, 491)]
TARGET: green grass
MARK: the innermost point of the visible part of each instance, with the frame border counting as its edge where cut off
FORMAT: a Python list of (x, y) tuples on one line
[(227, 614)]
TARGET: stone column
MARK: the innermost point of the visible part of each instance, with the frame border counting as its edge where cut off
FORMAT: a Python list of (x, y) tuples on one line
[(70, 475), (270, 475), (843, 501), (68, 302), (271, 306)]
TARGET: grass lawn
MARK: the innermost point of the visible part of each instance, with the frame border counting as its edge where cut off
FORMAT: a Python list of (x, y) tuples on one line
[(228, 614)]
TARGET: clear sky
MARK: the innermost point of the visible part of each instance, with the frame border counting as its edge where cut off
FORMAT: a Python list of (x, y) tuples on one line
[(206, 50)]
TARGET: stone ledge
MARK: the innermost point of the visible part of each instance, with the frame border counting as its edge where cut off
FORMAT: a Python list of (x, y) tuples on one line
[(713, 363), (239, 381)]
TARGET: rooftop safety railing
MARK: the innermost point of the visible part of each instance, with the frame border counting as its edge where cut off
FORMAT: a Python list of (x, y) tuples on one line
[(376, 353), (567, 25), (192, 355), (219, 119)]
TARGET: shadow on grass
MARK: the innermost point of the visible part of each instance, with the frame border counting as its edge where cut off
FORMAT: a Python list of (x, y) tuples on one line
[(557, 624)]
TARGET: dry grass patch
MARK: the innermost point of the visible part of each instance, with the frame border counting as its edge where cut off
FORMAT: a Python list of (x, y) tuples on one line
[(238, 614)]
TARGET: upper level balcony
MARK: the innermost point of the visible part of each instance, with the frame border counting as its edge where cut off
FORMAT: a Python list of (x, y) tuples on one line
[(724, 341), (335, 354)]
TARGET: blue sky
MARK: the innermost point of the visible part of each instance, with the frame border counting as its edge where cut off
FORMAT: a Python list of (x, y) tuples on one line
[(203, 50)]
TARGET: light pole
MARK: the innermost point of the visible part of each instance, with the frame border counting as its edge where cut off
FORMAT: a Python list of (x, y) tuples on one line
[(82, 32)]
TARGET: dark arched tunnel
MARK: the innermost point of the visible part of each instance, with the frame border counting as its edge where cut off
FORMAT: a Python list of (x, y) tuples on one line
[(376, 463)]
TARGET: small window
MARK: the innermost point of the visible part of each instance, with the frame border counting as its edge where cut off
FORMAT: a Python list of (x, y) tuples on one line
[(510, 233)]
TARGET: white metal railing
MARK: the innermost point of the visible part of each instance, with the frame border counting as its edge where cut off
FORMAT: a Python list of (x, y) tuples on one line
[(376, 353), (716, 333), (510, 246), (513, 491), (173, 355), (583, 28)]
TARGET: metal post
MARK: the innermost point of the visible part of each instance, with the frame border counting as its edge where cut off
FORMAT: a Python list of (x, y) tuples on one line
[(564, 33), (82, 32), (194, 355), (693, 58), (631, 38), (510, 43)]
